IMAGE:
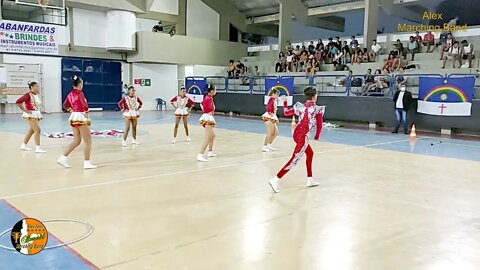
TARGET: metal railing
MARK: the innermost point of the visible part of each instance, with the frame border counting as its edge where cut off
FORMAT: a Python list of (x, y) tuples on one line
[(328, 84)]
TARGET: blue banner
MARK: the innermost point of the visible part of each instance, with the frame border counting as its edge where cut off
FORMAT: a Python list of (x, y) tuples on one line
[(196, 86), (284, 85), (448, 90)]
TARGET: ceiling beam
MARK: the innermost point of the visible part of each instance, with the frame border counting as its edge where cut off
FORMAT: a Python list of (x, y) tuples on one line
[(328, 10), (399, 11)]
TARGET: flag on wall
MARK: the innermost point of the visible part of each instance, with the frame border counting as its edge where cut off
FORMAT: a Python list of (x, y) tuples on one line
[(283, 85), (195, 89), (446, 96)]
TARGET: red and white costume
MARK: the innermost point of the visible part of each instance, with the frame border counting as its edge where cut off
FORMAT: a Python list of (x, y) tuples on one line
[(271, 114), (130, 106), (208, 107), (310, 116), (77, 104), (32, 103), (182, 104)]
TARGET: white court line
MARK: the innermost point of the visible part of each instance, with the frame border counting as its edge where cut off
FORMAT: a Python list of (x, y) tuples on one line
[(149, 177)]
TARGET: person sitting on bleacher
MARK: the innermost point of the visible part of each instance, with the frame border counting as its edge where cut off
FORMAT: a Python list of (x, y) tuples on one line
[(401, 49), (429, 41), (453, 53), (418, 40), (297, 50), (376, 50), (369, 80), (231, 69), (391, 63), (354, 42), (379, 82), (447, 44), (289, 47), (412, 47), (282, 63), (468, 52), (319, 46)]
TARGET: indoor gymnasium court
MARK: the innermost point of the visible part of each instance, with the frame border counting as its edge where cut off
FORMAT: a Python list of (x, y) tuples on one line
[(152, 206), (302, 165)]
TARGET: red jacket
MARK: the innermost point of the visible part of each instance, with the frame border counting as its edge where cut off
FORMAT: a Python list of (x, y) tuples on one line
[(305, 113), (28, 102), (123, 104), (76, 101), (271, 108), (207, 104)]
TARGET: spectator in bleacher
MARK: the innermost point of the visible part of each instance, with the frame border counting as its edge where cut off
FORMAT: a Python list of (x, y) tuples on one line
[(400, 78), (240, 70), (303, 62), (338, 43), (311, 48), (376, 50), (256, 71), (289, 47), (403, 100), (297, 50), (390, 63), (401, 48), (346, 48), (282, 63), (344, 57), (429, 41), (418, 40), (365, 56), (318, 57), (289, 62), (332, 52), (343, 81), (369, 80), (395, 52), (231, 69), (412, 47), (379, 81), (468, 52), (357, 55), (353, 42), (454, 53), (336, 58), (304, 49), (311, 67), (320, 45), (447, 44), (330, 42)]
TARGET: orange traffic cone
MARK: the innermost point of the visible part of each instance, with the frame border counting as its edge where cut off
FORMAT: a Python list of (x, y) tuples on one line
[(293, 125), (413, 133)]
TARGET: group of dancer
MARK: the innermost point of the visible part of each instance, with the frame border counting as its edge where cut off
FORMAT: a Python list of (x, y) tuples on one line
[(309, 114)]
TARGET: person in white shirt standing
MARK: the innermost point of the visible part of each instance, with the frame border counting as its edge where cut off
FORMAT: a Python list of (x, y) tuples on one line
[(376, 50), (403, 100), (468, 52)]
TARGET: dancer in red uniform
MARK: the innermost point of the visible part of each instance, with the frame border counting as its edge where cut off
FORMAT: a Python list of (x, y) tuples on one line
[(208, 122), (182, 104), (30, 105), (310, 116), (130, 105), (80, 122), (270, 118)]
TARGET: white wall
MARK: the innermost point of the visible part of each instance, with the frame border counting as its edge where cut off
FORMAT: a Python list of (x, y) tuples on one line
[(202, 70), (89, 28), (202, 21), (165, 6), (145, 24), (164, 82), (52, 88)]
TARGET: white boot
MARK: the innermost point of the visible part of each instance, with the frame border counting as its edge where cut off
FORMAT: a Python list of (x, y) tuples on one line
[(188, 139), (266, 149), (39, 150), (274, 183), (311, 182), (269, 146), (211, 154), (24, 147), (63, 161), (174, 140), (201, 158), (87, 165), (124, 143), (135, 142)]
